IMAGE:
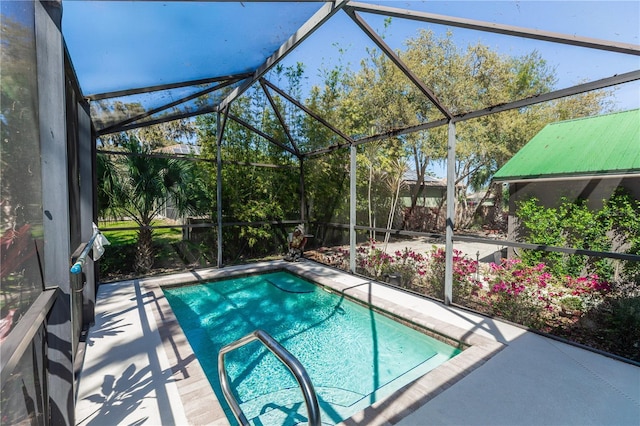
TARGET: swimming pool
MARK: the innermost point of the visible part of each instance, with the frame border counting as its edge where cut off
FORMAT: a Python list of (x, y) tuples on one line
[(353, 355)]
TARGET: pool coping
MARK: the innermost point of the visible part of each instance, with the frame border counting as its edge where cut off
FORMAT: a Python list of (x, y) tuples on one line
[(202, 406)]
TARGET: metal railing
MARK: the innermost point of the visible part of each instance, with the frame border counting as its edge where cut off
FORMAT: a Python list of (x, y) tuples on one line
[(20, 338), (286, 358)]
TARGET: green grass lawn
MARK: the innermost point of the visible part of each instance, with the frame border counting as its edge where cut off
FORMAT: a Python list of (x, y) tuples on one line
[(120, 238), (117, 261)]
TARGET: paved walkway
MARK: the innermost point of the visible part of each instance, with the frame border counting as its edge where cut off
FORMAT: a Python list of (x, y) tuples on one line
[(135, 374), (126, 378)]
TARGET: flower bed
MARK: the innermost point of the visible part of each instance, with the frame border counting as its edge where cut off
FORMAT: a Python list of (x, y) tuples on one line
[(578, 308)]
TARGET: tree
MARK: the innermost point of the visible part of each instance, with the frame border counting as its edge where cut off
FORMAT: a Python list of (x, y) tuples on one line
[(138, 186), (379, 98), (327, 175), (260, 180), (462, 80)]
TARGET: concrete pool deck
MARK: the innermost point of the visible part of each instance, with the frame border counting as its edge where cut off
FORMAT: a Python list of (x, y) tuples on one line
[(139, 369)]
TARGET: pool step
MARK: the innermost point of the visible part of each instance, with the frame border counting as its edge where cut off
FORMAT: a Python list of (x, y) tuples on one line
[(286, 406)]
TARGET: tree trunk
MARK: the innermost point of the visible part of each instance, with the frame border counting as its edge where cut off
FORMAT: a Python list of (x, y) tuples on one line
[(416, 191), (144, 250), (392, 212), (478, 209)]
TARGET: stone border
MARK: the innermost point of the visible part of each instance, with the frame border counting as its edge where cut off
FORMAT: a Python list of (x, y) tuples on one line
[(201, 405)]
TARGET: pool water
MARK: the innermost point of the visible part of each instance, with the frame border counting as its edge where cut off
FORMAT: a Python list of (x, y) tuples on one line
[(354, 356)]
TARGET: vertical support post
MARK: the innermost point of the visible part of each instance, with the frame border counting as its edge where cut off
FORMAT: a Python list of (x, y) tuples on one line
[(86, 153), (303, 212), (352, 210), (219, 184), (55, 206), (451, 210), (512, 221)]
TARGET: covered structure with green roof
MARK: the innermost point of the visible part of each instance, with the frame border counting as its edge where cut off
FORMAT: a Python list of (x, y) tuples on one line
[(585, 158)]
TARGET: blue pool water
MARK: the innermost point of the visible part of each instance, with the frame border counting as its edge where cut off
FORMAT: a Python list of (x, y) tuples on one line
[(353, 355)]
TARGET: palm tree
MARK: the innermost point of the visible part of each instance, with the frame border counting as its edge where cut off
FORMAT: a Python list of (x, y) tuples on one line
[(138, 186)]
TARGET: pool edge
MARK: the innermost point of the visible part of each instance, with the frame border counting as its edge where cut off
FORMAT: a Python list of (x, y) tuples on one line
[(412, 396), (202, 405)]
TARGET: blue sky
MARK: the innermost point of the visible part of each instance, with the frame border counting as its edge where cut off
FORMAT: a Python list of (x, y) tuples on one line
[(611, 20), (122, 44), (145, 43)]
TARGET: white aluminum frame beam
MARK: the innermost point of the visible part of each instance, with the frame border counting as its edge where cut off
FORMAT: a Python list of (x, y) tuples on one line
[(280, 118), (221, 121), (352, 207), (556, 94), (308, 111), (260, 133), (451, 213)]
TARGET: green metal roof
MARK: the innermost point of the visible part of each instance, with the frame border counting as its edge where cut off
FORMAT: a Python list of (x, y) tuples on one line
[(602, 145)]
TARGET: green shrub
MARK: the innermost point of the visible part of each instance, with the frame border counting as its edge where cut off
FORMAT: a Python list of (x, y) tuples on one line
[(622, 325), (571, 304), (615, 227)]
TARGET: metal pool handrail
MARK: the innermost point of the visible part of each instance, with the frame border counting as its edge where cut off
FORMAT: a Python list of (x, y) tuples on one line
[(287, 359)]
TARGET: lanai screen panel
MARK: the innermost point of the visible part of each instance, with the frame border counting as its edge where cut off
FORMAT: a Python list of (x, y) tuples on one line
[(133, 58), (120, 112), (119, 45)]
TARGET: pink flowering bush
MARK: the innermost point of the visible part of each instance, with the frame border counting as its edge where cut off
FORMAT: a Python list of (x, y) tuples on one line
[(582, 294), (409, 265), (374, 262), (527, 295), (466, 286), (520, 293), (532, 296)]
